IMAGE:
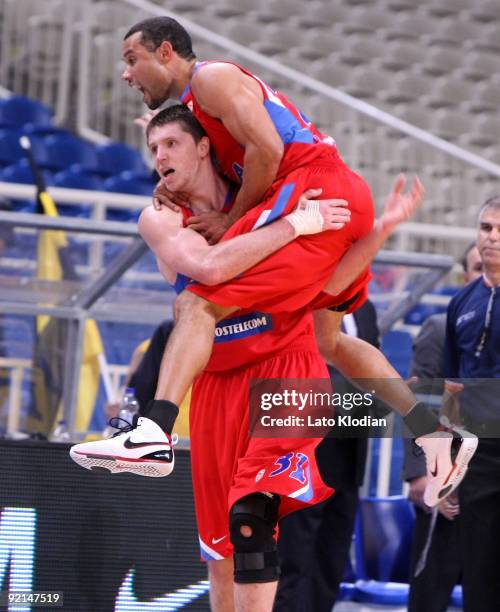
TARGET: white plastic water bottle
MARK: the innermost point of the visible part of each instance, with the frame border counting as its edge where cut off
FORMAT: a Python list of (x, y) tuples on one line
[(61, 433), (128, 406)]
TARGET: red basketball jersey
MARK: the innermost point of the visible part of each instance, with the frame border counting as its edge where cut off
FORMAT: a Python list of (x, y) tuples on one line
[(250, 336), (303, 142)]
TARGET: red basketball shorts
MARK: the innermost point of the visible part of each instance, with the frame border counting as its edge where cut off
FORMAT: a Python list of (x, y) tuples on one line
[(228, 464), (293, 276)]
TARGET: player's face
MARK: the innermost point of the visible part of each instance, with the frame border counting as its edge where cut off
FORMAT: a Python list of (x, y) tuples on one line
[(488, 238), (146, 71), (177, 157)]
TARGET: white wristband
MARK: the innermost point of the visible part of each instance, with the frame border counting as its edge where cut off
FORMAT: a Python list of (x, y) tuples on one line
[(308, 220)]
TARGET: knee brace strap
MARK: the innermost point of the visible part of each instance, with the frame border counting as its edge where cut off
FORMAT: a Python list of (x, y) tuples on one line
[(255, 556)]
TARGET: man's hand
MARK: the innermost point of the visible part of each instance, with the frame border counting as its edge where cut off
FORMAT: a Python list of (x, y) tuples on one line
[(211, 225), (416, 494), (163, 197), (450, 406), (335, 212), (449, 507), (144, 120), (401, 206)]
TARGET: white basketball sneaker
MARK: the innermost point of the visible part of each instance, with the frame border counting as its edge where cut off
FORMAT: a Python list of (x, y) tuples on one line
[(142, 448), (447, 455)]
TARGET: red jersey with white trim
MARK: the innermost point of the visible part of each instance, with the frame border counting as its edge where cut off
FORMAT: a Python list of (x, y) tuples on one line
[(250, 336), (303, 142)]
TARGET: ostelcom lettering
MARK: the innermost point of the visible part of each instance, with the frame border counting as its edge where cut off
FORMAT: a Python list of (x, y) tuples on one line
[(240, 327)]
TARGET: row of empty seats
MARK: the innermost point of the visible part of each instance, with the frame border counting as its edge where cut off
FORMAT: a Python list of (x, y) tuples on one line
[(55, 148), (66, 160), (425, 58)]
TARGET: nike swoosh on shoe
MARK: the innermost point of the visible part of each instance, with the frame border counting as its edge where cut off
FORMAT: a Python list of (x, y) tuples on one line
[(129, 444)]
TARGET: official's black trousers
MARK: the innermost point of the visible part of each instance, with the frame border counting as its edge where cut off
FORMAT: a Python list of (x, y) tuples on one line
[(479, 496), (431, 590), (314, 548)]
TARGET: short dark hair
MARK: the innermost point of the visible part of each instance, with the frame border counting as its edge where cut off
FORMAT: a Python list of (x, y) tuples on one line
[(178, 113), (158, 29)]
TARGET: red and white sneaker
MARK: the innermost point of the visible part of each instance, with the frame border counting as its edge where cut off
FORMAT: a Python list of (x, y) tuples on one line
[(142, 448), (447, 455)]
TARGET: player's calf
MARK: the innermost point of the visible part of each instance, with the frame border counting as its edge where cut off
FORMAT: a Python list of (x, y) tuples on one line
[(252, 524)]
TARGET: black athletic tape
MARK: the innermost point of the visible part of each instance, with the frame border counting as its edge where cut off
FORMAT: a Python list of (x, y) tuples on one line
[(421, 420)]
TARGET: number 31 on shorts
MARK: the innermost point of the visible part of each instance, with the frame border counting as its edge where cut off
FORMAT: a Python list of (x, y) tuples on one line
[(297, 461)]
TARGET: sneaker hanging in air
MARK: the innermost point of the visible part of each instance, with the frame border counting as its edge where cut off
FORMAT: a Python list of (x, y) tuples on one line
[(141, 447), (447, 455)]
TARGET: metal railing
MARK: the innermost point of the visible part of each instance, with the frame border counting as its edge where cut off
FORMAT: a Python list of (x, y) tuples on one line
[(81, 304), (19, 370)]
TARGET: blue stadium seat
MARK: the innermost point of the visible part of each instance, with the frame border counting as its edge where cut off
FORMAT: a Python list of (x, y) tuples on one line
[(20, 172), (10, 149), (64, 150), (397, 346), (40, 131), (346, 592), (75, 178), (116, 157), (17, 111), (419, 313), (457, 597), (446, 290), (383, 534), (381, 593), (131, 183)]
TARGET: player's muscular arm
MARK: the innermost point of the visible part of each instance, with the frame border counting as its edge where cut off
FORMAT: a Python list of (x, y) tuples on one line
[(183, 250), (223, 91), (398, 208), (361, 362)]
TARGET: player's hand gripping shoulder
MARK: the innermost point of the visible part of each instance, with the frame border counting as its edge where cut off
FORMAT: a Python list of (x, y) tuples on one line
[(211, 225), (309, 217), (163, 197), (312, 216)]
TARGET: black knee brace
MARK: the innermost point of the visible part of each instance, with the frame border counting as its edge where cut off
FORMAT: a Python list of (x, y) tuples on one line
[(255, 556)]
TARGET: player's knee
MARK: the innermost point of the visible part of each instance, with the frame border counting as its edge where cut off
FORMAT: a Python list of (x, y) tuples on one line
[(220, 570), (190, 305), (252, 523), (187, 303)]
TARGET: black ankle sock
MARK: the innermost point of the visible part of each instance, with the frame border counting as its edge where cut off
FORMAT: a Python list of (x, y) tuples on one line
[(421, 420), (163, 413)]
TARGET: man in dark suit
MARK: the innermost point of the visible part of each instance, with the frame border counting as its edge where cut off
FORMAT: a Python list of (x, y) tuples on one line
[(314, 543), (435, 563)]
